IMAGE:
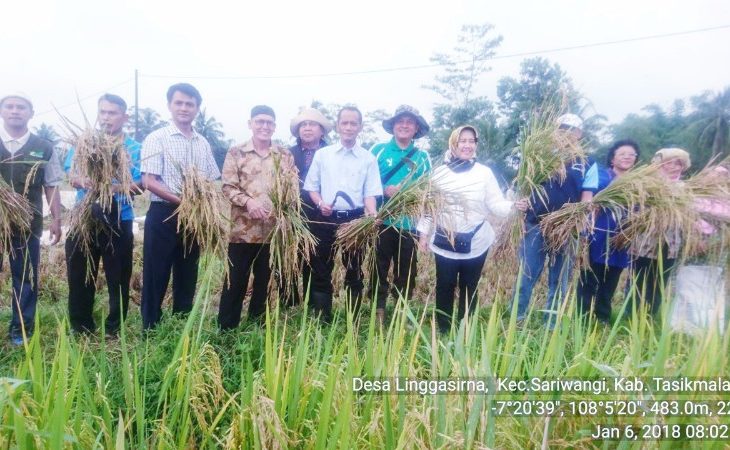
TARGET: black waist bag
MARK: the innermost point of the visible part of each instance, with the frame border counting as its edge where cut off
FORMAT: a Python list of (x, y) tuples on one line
[(461, 243)]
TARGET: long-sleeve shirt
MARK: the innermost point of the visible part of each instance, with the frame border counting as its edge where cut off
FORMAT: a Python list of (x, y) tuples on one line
[(477, 195), (247, 175)]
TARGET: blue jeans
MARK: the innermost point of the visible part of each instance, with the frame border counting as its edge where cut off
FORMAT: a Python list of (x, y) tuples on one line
[(24, 270), (532, 262)]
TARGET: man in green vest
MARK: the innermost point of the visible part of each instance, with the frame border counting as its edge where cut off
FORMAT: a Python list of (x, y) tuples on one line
[(30, 166), (400, 162)]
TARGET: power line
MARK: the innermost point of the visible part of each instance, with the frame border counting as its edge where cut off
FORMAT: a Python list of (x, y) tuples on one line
[(428, 66), (86, 97)]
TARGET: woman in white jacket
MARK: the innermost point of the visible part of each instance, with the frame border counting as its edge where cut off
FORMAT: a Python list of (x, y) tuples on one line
[(461, 234)]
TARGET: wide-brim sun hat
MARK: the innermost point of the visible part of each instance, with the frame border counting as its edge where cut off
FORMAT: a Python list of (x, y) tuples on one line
[(402, 110), (310, 114), (670, 153)]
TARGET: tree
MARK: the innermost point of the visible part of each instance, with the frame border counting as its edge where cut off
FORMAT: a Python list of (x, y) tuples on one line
[(212, 131), (149, 121), (463, 67), (47, 132), (712, 121)]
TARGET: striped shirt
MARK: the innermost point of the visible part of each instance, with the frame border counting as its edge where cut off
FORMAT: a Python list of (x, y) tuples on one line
[(167, 153)]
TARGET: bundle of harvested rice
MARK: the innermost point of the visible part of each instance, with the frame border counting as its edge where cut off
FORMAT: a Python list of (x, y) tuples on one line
[(423, 197), (632, 191), (291, 242), (102, 162), (202, 216), (16, 213), (544, 152)]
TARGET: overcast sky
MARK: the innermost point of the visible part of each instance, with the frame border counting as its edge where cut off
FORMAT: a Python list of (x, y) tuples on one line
[(56, 50)]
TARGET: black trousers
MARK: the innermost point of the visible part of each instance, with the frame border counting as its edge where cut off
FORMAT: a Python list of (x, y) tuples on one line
[(322, 265), (651, 281), (115, 250), (398, 247), (596, 288), (24, 261), (163, 254), (242, 258), (450, 272)]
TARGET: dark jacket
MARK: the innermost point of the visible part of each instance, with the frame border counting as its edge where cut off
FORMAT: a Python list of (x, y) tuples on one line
[(25, 170)]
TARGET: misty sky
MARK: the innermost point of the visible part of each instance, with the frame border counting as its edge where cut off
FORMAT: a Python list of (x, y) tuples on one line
[(57, 50)]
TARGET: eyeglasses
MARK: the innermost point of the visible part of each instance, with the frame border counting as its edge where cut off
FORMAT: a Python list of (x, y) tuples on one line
[(467, 141), (263, 122)]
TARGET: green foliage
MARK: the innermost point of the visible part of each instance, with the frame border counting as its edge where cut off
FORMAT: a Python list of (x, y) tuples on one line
[(212, 130), (149, 121), (702, 130), (47, 132)]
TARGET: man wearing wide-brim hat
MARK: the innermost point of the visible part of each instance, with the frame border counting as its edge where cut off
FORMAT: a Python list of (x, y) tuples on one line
[(400, 162), (310, 128)]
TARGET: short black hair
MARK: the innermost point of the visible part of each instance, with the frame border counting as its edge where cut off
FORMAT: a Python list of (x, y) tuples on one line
[(618, 144), (349, 108), (115, 99), (185, 88), (262, 109)]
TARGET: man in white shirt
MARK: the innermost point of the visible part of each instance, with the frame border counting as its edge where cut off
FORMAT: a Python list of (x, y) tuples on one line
[(342, 182)]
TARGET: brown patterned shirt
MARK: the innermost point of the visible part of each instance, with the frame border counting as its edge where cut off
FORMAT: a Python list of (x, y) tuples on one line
[(247, 175)]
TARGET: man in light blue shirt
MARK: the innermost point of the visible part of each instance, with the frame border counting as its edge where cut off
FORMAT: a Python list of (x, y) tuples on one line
[(114, 241), (343, 183)]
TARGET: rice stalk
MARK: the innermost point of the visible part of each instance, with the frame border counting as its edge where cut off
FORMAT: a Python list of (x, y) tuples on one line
[(544, 152), (202, 216), (16, 213), (104, 163), (291, 241), (416, 199), (633, 191)]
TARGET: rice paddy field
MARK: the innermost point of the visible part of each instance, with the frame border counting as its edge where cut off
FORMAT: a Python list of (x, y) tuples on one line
[(291, 382)]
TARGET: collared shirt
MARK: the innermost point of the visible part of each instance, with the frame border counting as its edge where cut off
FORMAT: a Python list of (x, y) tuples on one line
[(353, 171), (247, 175), (167, 153), (389, 154), (52, 171), (133, 147)]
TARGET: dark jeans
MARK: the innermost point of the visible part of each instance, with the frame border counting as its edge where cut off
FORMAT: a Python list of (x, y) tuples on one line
[(164, 253), (398, 247), (450, 272), (322, 264), (242, 258), (115, 250), (596, 288), (24, 261), (651, 282), (532, 256)]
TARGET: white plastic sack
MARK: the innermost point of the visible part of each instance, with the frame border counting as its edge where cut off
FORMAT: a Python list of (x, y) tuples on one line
[(699, 302)]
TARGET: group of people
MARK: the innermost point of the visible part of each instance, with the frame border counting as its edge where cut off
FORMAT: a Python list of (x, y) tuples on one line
[(339, 182)]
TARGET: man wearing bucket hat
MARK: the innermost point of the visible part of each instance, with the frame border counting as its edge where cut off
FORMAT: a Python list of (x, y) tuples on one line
[(309, 127), (400, 162), (580, 182), (31, 167)]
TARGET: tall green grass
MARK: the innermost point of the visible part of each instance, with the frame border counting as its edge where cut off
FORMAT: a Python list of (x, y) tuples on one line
[(288, 383)]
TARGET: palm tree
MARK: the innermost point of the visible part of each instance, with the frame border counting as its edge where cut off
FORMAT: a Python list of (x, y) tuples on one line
[(149, 121), (212, 130), (712, 117), (47, 132)]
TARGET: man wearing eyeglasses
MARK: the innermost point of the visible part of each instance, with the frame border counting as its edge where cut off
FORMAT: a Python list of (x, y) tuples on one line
[(249, 175), (343, 182)]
